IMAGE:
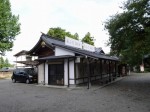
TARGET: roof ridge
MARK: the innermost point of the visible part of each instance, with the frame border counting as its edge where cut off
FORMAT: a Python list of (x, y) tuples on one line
[(55, 38)]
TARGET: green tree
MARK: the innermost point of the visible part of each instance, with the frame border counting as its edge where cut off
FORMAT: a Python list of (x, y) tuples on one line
[(60, 33), (88, 39), (76, 36), (130, 31), (1, 62), (4, 62), (9, 26)]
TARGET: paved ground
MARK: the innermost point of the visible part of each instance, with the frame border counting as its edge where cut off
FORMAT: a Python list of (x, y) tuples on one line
[(131, 94)]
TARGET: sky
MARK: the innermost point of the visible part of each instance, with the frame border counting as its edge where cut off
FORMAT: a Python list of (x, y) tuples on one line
[(79, 16)]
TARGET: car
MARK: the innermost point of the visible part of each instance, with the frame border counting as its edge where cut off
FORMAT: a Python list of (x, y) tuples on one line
[(6, 69), (26, 75)]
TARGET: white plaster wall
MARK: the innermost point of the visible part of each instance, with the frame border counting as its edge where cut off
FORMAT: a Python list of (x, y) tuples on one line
[(41, 74), (71, 72), (65, 72), (60, 51), (46, 73), (21, 58), (34, 57)]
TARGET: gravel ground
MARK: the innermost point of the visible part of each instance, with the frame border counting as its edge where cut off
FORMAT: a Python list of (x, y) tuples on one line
[(131, 94)]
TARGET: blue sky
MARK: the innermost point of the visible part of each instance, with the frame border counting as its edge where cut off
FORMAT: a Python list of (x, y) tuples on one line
[(79, 16)]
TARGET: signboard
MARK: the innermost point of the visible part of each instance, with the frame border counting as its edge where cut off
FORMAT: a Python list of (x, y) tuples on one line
[(88, 47), (79, 44), (73, 42)]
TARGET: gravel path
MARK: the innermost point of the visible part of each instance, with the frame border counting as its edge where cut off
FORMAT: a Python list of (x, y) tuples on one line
[(131, 94)]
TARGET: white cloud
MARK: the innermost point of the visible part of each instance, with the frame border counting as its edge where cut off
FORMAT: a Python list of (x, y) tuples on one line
[(79, 16)]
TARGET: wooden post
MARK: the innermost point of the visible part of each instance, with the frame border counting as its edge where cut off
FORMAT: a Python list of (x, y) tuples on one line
[(101, 68), (44, 72), (68, 73), (109, 73), (88, 71), (74, 71), (115, 70)]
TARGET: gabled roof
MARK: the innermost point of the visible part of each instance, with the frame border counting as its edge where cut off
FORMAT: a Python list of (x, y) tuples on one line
[(23, 52), (53, 42), (29, 63)]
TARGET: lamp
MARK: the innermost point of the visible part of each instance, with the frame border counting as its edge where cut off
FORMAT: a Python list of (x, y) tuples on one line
[(43, 44)]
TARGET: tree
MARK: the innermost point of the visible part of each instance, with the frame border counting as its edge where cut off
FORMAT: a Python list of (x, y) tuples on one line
[(4, 63), (76, 36), (130, 31), (1, 62), (60, 33), (9, 26), (88, 39)]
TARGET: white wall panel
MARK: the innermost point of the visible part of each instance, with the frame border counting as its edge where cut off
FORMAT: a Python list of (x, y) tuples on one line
[(41, 74), (60, 51)]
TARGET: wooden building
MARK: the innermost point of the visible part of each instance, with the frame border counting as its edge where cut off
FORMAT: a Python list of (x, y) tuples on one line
[(61, 64)]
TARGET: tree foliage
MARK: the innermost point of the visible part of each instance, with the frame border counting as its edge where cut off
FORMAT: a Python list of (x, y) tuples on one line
[(60, 33), (88, 39), (9, 26), (130, 31), (4, 63)]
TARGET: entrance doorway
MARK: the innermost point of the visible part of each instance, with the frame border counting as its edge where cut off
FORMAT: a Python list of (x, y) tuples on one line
[(56, 74)]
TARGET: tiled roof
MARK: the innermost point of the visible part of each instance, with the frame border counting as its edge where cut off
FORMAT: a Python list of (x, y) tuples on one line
[(56, 57), (23, 52), (51, 41)]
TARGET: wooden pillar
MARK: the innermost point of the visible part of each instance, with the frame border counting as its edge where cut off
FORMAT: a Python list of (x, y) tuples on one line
[(115, 69), (82, 68), (74, 71), (101, 68), (109, 72), (44, 72), (88, 71)]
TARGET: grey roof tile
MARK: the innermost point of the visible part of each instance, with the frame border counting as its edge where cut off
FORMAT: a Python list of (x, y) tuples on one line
[(55, 42)]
